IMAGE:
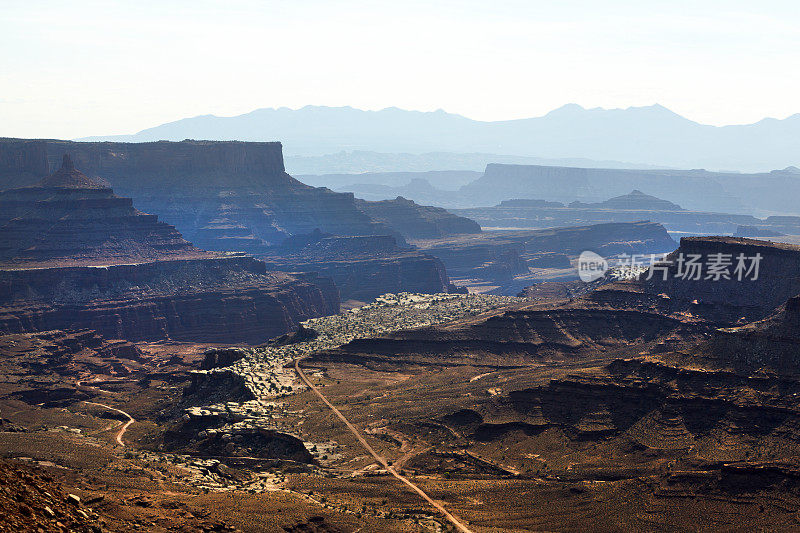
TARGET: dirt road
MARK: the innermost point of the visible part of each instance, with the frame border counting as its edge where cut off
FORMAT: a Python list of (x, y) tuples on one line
[(124, 428), (452, 519)]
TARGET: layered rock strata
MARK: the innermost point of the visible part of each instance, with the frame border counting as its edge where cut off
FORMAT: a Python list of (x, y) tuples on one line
[(76, 256), (219, 195), (504, 253), (362, 267), (750, 281)]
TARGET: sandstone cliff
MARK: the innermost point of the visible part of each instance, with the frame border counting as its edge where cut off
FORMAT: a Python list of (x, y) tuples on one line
[(363, 268), (698, 294), (219, 195), (73, 255), (229, 299), (69, 218)]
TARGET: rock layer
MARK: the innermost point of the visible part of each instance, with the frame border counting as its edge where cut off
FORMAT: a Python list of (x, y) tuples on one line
[(219, 195), (76, 256), (69, 218), (202, 300), (363, 268)]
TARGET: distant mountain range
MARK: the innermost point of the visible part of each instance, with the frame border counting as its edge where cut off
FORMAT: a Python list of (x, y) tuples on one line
[(651, 135)]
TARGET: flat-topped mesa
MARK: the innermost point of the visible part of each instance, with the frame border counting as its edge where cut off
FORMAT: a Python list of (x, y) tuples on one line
[(726, 280), (153, 284), (69, 218), (221, 195)]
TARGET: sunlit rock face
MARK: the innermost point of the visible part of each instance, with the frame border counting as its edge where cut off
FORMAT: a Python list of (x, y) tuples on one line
[(219, 195)]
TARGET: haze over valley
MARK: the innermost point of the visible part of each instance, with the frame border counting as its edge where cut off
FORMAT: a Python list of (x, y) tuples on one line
[(320, 303)]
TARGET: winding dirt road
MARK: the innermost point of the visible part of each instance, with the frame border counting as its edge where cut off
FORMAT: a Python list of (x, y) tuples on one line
[(452, 519), (124, 428)]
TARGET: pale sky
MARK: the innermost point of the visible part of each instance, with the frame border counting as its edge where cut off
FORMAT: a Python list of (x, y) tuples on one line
[(75, 68)]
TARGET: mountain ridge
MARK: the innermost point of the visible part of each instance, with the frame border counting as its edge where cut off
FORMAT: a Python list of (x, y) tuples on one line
[(652, 135)]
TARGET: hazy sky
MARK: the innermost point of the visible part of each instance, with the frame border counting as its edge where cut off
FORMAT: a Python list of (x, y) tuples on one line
[(74, 68)]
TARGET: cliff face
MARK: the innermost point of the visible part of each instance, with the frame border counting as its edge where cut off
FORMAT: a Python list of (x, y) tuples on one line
[(69, 218), (726, 299), (502, 254), (220, 195), (22, 162), (362, 267), (73, 255), (202, 300)]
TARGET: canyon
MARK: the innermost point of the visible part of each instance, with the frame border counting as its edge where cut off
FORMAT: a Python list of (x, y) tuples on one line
[(73, 255), (173, 386), (507, 261), (234, 196)]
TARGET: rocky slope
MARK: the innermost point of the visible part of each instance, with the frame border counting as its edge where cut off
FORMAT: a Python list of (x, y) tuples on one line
[(33, 501), (69, 218)]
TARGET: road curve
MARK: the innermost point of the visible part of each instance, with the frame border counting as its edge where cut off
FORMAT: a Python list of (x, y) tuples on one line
[(452, 519), (124, 427)]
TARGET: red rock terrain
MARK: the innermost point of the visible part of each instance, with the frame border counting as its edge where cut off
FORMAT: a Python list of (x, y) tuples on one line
[(606, 412), (726, 301), (74, 255), (235, 196)]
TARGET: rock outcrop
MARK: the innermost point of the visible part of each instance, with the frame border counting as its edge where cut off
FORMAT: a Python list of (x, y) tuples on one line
[(229, 299), (76, 256), (235, 196), (219, 195), (415, 221), (772, 343), (502, 254), (69, 218), (751, 281), (362, 268)]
